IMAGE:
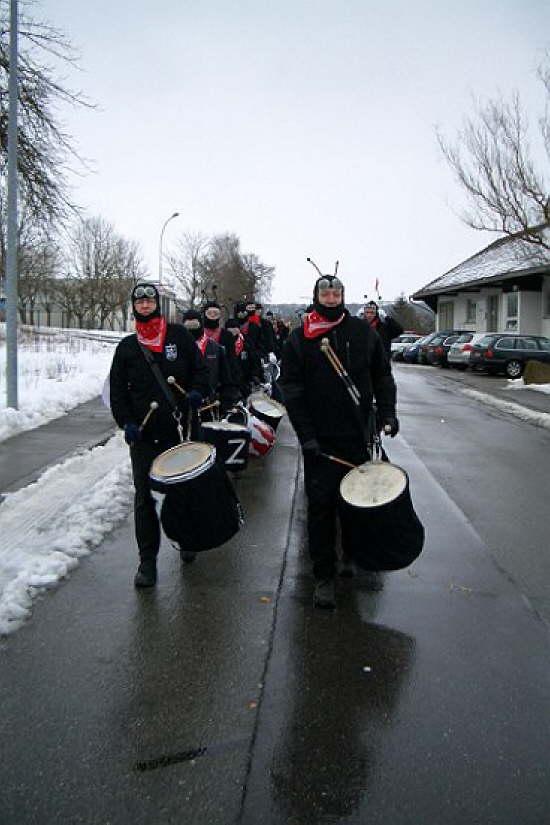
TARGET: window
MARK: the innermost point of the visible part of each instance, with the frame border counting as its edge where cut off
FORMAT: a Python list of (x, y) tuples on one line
[(544, 344), (470, 311), (546, 304), (506, 343), (445, 313), (512, 310), (465, 337), (526, 343)]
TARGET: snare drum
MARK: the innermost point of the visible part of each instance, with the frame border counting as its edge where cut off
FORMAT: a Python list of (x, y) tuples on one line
[(200, 509), (231, 442), (380, 528), (266, 409)]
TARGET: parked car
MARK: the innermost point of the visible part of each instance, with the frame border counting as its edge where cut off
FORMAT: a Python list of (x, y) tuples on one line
[(458, 356), (441, 335), (399, 344), (509, 352), (410, 352), (438, 350)]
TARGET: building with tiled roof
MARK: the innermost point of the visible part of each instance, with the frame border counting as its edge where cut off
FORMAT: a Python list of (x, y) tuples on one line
[(505, 287)]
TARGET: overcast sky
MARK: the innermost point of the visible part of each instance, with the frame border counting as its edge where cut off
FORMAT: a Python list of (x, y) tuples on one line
[(306, 128)]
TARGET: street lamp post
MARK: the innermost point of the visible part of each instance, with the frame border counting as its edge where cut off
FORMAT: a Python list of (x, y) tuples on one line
[(175, 215)]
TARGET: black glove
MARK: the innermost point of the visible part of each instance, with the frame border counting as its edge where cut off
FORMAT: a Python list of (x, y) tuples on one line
[(391, 427), (194, 399), (311, 448), (132, 433)]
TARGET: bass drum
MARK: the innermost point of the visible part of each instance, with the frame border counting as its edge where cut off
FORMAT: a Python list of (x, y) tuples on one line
[(200, 510), (380, 528), (267, 409), (231, 441)]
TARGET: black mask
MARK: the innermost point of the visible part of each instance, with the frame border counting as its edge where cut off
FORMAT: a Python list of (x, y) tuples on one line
[(197, 329), (330, 313)]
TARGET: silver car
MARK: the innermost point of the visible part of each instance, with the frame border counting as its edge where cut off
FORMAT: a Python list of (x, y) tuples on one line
[(459, 353)]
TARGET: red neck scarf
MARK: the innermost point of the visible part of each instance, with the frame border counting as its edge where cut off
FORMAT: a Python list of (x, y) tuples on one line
[(152, 333), (315, 324), (254, 319), (202, 343), (375, 322), (214, 334), (239, 344)]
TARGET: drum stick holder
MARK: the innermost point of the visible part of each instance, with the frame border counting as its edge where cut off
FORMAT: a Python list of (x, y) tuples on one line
[(177, 414)]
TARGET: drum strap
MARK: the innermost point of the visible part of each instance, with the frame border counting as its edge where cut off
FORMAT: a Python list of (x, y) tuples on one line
[(164, 387)]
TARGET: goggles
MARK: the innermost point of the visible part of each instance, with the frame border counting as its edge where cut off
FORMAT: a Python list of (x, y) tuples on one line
[(145, 292), (212, 313), (329, 283)]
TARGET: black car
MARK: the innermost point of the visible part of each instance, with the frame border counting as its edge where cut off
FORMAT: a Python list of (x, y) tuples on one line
[(427, 342), (438, 350), (410, 353), (509, 353)]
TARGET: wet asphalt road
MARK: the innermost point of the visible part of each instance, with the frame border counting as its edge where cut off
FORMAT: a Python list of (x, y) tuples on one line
[(224, 698)]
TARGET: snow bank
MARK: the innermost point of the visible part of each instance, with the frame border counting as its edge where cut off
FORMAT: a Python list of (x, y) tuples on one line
[(49, 525)]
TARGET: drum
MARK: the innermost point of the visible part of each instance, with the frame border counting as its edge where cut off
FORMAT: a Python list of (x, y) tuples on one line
[(231, 442), (380, 528), (266, 409), (262, 435), (200, 509)]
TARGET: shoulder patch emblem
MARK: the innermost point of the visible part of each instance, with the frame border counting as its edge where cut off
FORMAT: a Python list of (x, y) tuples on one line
[(171, 352)]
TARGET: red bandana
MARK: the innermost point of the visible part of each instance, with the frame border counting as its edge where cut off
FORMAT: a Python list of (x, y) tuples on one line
[(202, 342), (239, 344), (375, 322), (152, 333), (254, 319), (315, 324), (215, 334)]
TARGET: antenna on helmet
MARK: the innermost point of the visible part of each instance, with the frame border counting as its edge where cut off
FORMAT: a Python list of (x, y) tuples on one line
[(309, 260), (214, 290), (336, 269)]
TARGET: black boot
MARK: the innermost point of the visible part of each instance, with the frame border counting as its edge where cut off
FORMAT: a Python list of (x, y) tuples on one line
[(146, 575)]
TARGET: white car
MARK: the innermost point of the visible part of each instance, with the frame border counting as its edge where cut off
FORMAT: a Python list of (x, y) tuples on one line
[(398, 344), (459, 352)]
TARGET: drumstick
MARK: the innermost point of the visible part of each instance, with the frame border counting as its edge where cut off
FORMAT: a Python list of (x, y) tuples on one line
[(152, 407), (342, 373), (172, 380), (209, 406), (339, 460)]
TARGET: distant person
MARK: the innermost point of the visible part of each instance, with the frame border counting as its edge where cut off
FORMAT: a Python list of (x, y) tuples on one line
[(222, 382), (386, 326), (133, 389), (326, 420)]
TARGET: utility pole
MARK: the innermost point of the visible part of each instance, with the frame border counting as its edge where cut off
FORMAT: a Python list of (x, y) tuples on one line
[(11, 256)]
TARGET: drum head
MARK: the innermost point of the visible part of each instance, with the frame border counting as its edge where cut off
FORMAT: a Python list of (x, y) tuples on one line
[(265, 405), (225, 426), (185, 461), (373, 484)]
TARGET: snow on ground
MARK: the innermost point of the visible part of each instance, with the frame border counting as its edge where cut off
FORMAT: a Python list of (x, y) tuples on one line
[(542, 419), (56, 372), (517, 384), (48, 526)]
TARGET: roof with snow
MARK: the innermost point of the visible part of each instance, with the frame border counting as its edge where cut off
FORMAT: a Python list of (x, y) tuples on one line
[(505, 258)]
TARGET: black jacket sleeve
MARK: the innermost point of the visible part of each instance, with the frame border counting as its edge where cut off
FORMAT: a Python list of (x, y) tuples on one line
[(382, 379), (121, 404), (393, 327), (292, 383)]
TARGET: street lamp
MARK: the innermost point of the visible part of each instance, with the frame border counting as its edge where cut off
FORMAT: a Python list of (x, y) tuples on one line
[(175, 215)]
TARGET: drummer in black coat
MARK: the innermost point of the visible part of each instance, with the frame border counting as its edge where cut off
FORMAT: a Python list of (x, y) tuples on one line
[(325, 418), (386, 326), (141, 409), (222, 380)]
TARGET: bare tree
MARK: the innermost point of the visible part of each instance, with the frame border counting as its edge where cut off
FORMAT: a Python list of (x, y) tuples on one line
[(45, 150), (102, 266), (186, 269), (492, 160)]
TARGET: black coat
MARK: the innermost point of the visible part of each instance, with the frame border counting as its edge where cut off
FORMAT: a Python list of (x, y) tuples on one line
[(133, 385), (316, 398), (222, 380), (388, 329)]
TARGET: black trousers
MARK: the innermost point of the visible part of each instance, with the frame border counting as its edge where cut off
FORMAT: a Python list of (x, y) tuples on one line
[(146, 520), (322, 479)]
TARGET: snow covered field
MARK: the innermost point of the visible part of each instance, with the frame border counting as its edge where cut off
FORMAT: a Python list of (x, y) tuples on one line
[(56, 373)]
